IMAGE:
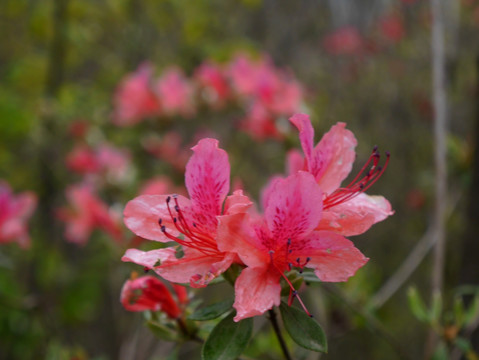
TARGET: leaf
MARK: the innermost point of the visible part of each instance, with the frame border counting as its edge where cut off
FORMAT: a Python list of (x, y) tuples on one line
[(458, 311), (161, 331), (436, 307), (416, 305), (304, 330), (472, 312), (441, 352), (228, 339), (212, 311)]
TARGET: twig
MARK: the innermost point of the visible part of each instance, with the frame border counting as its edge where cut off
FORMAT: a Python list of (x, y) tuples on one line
[(410, 264), (277, 330), (440, 109)]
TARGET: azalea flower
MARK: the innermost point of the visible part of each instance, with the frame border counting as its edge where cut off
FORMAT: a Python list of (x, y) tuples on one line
[(134, 99), (86, 213), (344, 41), (175, 92), (212, 80), (15, 210), (149, 293), (282, 239), (191, 223), (347, 210)]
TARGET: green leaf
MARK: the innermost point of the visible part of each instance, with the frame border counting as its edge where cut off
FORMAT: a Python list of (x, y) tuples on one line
[(228, 339), (458, 311), (463, 344), (472, 312), (212, 311), (304, 330), (161, 331), (436, 307), (441, 352), (416, 305)]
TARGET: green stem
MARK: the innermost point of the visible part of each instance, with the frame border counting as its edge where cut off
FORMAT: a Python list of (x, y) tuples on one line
[(277, 330)]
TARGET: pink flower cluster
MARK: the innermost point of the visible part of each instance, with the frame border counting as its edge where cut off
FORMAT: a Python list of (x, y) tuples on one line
[(262, 90), (304, 223), (15, 211)]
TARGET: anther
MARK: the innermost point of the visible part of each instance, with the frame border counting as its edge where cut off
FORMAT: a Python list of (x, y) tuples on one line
[(177, 208), (168, 199), (160, 221), (175, 220), (163, 228), (375, 148)]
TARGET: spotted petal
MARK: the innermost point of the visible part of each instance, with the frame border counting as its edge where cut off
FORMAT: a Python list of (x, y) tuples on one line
[(141, 215), (256, 291), (355, 216), (333, 257), (207, 179), (294, 207)]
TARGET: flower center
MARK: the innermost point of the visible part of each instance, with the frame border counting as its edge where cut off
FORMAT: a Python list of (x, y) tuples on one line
[(192, 236), (363, 181)]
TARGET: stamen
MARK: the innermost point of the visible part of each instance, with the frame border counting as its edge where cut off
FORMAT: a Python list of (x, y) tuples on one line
[(358, 184)]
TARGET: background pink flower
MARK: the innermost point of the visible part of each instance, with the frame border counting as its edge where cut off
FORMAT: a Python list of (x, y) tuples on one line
[(15, 211)]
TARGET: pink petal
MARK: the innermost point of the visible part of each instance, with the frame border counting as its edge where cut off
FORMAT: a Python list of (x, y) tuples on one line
[(237, 203), (294, 207), (236, 233), (294, 161), (194, 267), (333, 157), (256, 291), (333, 257), (306, 135), (207, 179), (355, 216), (141, 215), (267, 190)]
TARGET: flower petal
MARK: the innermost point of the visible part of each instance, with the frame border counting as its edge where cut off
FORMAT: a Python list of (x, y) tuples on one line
[(294, 206), (236, 234), (237, 203), (256, 291), (194, 267), (306, 135), (141, 215), (333, 157), (355, 216), (333, 257), (207, 179)]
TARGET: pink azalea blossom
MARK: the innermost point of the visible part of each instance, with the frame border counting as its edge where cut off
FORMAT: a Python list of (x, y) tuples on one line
[(86, 213), (391, 28), (259, 123), (105, 160), (214, 85), (160, 185), (347, 210), (15, 210), (344, 41), (149, 293), (134, 99), (168, 148), (283, 239), (175, 92), (189, 222)]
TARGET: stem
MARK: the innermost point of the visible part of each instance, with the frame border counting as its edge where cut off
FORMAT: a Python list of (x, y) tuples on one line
[(277, 330), (185, 331), (439, 99)]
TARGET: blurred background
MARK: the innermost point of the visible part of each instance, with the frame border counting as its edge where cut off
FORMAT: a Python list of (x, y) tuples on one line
[(68, 135)]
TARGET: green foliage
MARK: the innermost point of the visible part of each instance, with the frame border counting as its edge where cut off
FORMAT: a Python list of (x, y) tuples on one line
[(303, 329), (228, 339), (212, 311)]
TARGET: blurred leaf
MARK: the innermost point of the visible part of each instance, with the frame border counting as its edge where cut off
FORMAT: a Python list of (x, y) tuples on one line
[(472, 312), (228, 339), (458, 311), (441, 352), (463, 344), (417, 305), (303, 329), (161, 331), (212, 311)]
